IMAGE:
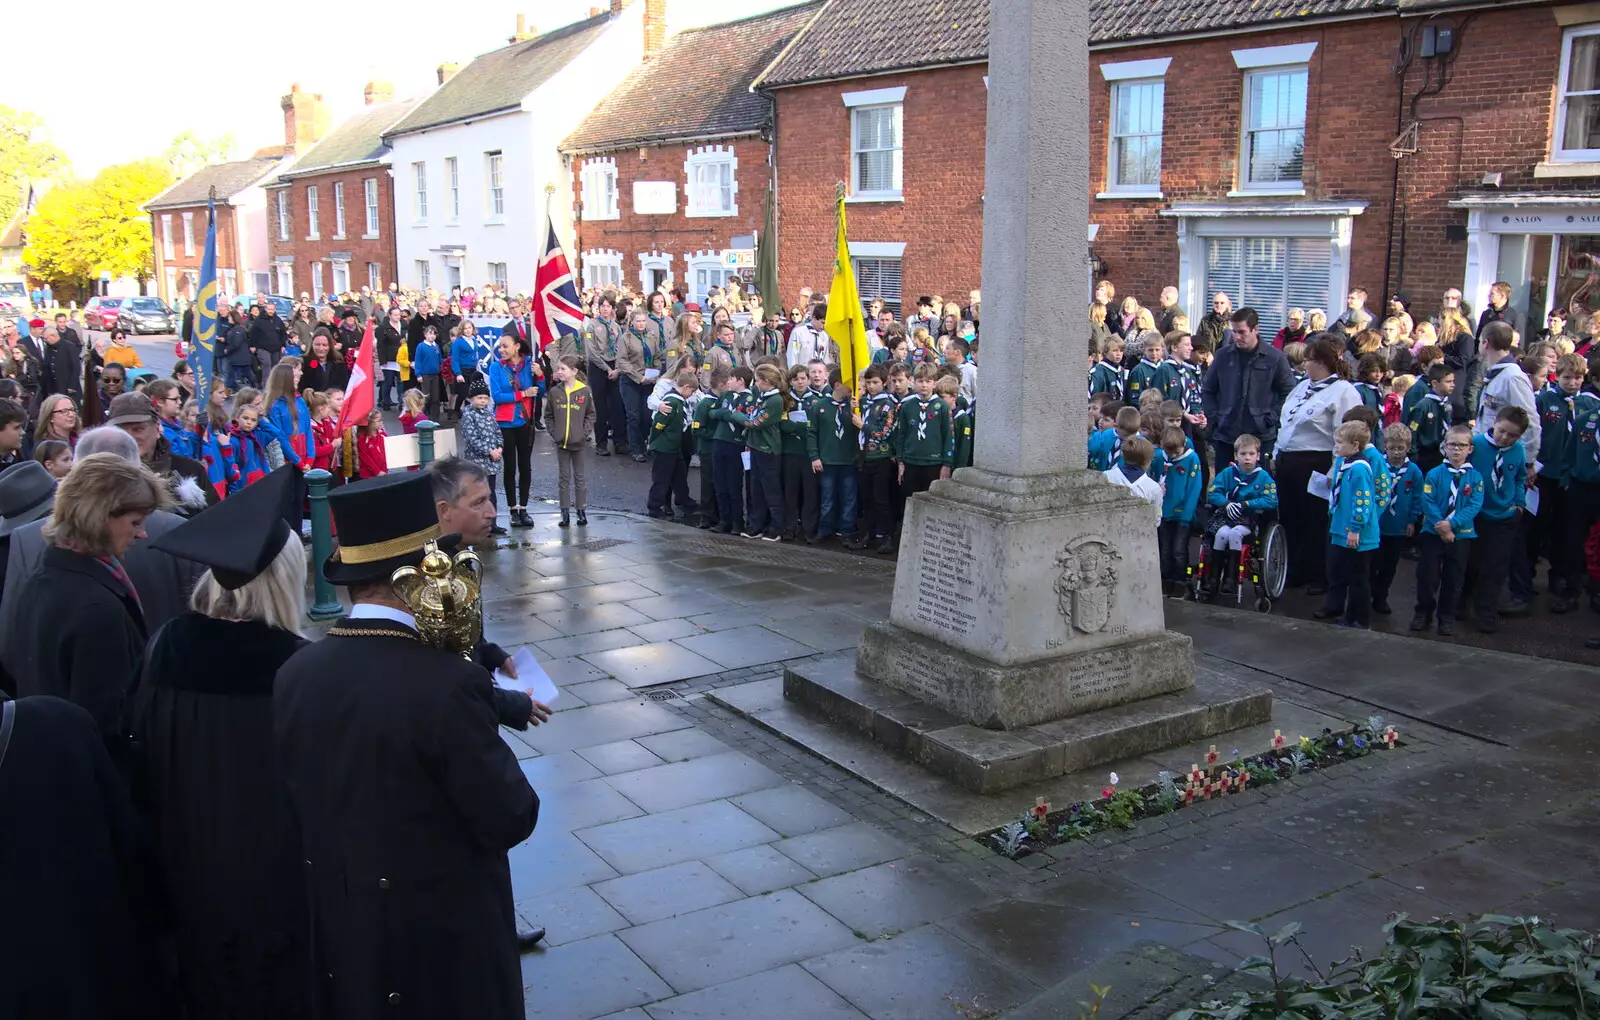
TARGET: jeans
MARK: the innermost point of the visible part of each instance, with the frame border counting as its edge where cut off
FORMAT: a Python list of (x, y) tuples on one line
[(389, 391), (839, 497), (1174, 545), (634, 396), (1350, 584)]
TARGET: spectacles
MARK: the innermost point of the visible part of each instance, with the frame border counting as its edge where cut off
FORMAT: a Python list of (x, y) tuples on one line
[(1458, 446), (65, 410)]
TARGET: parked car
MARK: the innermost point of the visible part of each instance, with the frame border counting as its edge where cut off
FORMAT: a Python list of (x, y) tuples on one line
[(147, 315), (285, 305), (101, 312), (14, 298)]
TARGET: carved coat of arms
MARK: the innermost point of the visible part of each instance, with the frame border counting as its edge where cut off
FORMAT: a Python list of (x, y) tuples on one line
[(1086, 588)]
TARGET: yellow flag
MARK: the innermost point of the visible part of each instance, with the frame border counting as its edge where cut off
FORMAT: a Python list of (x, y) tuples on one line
[(844, 323)]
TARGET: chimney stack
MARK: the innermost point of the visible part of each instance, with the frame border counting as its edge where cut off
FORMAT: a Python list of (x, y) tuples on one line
[(655, 26), (525, 31), (594, 12), (446, 71), (378, 92), (305, 119)]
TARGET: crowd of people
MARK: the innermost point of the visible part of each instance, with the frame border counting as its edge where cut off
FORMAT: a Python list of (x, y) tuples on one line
[(1466, 447)]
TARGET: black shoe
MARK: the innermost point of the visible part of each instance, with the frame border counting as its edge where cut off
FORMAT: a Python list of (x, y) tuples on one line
[(1419, 622), (601, 451), (725, 529), (520, 518), (1447, 628), (813, 540), (1317, 589), (1352, 625), (1382, 609), (583, 519), (657, 514), (566, 520), (1488, 626), (707, 524), (498, 530), (1516, 609), (538, 423), (1564, 604), (639, 458), (528, 935), (886, 546), (1325, 613), (855, 543)]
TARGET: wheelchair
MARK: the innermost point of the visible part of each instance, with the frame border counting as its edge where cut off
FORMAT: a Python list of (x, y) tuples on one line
[(1263, 564)]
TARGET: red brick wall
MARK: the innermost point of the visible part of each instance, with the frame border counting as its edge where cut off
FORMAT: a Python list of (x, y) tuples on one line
[(361, 250), (940, 220), (227, 244), (674, 235)]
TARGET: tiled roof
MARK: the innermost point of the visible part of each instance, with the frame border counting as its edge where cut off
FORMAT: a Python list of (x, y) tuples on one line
[(359, 139), (11, 235), (853, 38), (501, 79), (697, 87), (228, 178)]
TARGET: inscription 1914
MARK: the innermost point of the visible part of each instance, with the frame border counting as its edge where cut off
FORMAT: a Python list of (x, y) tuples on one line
[(944, 581)]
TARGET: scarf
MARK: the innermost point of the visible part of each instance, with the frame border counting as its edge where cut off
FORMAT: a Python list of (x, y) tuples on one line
[(1338, 482), (1311, 392), (1497, 473), (119, 575), (1456, 474), (644, 343), (1132, 474)]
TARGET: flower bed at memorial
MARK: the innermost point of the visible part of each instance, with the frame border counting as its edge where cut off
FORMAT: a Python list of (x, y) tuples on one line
[(1119, 808)]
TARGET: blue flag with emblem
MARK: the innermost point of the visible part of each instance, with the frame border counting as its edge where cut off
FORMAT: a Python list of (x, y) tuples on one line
[(205, 311)]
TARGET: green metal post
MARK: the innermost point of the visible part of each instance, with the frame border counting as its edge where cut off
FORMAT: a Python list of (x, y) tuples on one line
[(326, 606), (425, 441)]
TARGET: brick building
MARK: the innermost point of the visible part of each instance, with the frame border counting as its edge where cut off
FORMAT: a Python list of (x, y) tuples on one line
[(178, 218), (331, 214), (1279, 151), (673, 167)]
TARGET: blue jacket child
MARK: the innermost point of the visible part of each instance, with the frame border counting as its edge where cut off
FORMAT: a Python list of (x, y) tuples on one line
[(426, 359), (1454, 495), (1256, 491), (1353, 506), (1381, 479), (1105, 449), (1504, 473), (1180, 479), (1404, 506)]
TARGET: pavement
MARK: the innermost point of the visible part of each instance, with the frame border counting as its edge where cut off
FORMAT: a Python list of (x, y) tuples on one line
[(690, 863)]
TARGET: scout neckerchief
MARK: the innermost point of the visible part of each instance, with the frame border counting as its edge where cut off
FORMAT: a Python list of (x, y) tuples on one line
[(1239, 484), (674, 398), (1132, 474), (1572, 410), (1456, 474), (611, 338), (921, 411), (1310, 393), (1116, 446), (661, 325), (838, 416), (1146, 361), (724, 348), (1183, 379), (1497, 473), (870, 405), (1338, 481), (644, 343), (1374, 390), (771, 341), (1394, 488)]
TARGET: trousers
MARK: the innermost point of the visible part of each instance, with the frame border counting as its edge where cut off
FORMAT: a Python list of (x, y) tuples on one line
[(1385, 561), (728, 470), (800, 491), (1173, 537), (1350, 584), (839, 497), (768, 513), (877, 496), (669, 476), (572, 480), (517, 461), (1493, 549), (1441, 567)]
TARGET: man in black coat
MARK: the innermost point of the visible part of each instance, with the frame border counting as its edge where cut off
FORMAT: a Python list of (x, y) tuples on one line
[(407, 798), (65, 330), (1244, 389), (387, 336), (60, 368), (1500, 310), (268, 335)]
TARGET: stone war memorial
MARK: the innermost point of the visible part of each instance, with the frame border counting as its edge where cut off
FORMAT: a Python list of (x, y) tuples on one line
[(1027, 636)]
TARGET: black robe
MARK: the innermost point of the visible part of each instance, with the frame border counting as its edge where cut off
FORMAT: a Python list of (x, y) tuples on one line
[(408, 801), (78, 878), (207, 782)]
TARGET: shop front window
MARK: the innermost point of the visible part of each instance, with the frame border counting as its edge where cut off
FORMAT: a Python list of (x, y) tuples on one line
[(1578, 279)]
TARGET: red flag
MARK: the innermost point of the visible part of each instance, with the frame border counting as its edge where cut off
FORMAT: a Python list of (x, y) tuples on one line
[(361, 394)]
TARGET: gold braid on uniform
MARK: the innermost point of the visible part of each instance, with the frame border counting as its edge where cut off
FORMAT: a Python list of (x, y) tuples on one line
[(339, 631)]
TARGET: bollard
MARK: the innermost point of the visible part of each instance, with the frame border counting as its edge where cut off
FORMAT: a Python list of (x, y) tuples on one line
[(425, 442), (326, 606)]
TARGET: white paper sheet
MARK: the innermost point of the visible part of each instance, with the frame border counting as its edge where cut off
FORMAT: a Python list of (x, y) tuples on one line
[(797, 416), (1320, 486), (1531, 496), (652, 374), (745, 456), (531, 677)]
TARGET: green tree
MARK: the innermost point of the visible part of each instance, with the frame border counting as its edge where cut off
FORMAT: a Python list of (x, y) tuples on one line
[(189, 152), (24, 157), (83, 229)]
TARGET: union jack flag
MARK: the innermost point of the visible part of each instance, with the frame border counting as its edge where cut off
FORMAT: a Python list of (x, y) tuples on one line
[(556, 312)]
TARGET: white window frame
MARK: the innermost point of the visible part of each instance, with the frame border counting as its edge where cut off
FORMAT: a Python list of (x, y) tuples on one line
[(375, 275), (313, 231), (424, 271), (601, 200), (1119, 76), (877, 252), (338, 209), (188, 234), (341, 271), (500, 276), (229, 277), (872, 99), (709, 262), (283, 214), (452, 179), (419, 192), (285, 279), (653, 260), (316, 281), (602, 267), (494, 186), (171, 278), (699, 161), (168, 252), (1559, 153), (369, 188), (1256, 62)]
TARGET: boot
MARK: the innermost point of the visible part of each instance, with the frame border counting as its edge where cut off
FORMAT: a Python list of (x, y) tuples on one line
[(583, 519), (520, 518), (566, 519)]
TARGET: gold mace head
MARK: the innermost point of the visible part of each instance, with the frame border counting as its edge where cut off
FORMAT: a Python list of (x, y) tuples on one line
[(444, 594)]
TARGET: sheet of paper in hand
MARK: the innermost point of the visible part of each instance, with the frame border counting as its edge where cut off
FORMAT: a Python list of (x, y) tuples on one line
[(531, 678)]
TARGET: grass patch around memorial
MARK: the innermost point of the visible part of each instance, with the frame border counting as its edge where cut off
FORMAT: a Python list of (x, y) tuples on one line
[(1120, 807)]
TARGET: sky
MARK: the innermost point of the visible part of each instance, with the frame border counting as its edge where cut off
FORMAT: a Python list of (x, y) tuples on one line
[(136, 82)]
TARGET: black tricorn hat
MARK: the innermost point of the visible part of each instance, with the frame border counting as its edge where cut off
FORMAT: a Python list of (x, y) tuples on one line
[(383, 524), (239, 537)]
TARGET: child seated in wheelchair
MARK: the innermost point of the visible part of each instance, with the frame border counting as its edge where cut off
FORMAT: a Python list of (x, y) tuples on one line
[(1242, 496)]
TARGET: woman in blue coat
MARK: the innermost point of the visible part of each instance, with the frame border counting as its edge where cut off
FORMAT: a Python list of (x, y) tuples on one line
[(512, 388)]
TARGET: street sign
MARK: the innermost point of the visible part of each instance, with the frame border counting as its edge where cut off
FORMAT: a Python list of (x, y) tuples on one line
[(739, 258)]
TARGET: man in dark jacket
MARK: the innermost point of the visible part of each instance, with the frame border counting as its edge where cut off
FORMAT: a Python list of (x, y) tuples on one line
[(64, 328), (1214, 324), (60, 371), (387, 337), (1500, 310), (268, 335), (1244, 389), (406, 853)]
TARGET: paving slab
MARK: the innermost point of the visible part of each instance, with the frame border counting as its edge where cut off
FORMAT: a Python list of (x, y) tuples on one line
[(890, 898), (665, 630), (573, 671), (681, 745), (619, 756), (921, 974), (792, 810), (759, 869), (734, 940), (586, 979), (571, 915), (840, 849), (557, 769), (680, 604), (599, 641), (600, 691), (581, 805), (613, 591), (789, 990), (648, 665), (549, 862), (671, 837), (519, 747), (745, 646), (680, 784), (604, 724), (667, 892), (519, 631), (728, 619), (588, 619)]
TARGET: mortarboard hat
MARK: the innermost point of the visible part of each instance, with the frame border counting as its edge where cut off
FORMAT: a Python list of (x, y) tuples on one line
[(239, 537)]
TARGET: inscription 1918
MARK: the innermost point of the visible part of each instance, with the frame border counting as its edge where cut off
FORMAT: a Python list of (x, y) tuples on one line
[(944, 580)]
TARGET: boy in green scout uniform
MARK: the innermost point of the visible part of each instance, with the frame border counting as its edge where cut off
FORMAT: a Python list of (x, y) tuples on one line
[(700, 433), (832, 442), (923, 444), (874, 421), (668, 430)]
